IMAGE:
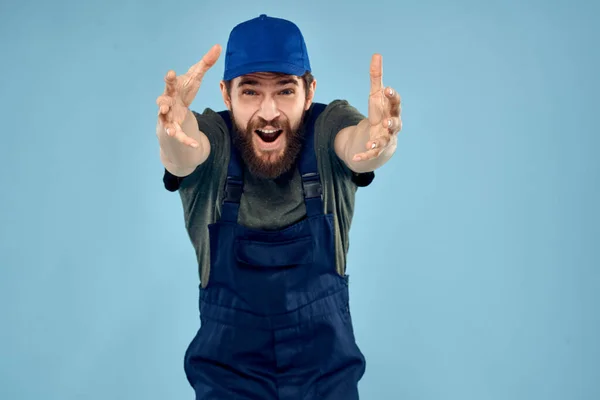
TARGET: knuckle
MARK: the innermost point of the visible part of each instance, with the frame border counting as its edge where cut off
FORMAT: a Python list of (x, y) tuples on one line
[(163, 99), (166, 101)]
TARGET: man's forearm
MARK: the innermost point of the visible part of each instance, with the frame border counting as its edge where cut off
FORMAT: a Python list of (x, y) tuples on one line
[(358, 137), (178, 158)]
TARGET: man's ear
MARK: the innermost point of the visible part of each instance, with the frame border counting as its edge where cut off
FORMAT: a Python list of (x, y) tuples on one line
[(311, 94), (226, 97)]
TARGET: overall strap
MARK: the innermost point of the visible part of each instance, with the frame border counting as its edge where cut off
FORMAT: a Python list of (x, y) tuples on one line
[(235, 178), (308, 167)]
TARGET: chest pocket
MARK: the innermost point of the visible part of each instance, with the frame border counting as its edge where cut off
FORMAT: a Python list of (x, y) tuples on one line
[(274, 254)]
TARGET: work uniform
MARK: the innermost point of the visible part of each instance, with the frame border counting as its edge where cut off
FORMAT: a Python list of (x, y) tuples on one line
[(275, 318)]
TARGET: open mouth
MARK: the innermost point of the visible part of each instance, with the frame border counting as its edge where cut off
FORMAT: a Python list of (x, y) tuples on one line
[(268, 135)]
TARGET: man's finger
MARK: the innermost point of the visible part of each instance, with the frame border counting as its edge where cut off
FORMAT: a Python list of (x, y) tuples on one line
[(374, 148), (182, 137), (163, 109), (164, 99), (376, 73), (368, 155), (394, 102), (170, 83), (167, 126), (170, 128), (164, 103), (393, 124), (198, 70), (379, 142), (163, 121), (164, 106)]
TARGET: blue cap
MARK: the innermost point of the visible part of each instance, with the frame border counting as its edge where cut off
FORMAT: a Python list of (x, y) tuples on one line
[(266, 44)]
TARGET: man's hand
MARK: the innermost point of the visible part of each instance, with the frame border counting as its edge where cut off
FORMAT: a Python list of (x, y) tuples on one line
[(180, 91), (384, 114)]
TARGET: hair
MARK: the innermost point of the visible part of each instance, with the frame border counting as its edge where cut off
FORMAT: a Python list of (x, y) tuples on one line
[(307, 78)]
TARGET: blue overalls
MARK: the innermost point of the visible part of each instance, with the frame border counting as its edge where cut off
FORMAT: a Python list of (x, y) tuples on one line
[(275, 320)]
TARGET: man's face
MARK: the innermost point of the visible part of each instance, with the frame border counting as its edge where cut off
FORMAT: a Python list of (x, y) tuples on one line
[(267, 111)]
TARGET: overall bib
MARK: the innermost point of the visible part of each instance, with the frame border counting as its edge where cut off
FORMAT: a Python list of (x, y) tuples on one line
[(275, 318)]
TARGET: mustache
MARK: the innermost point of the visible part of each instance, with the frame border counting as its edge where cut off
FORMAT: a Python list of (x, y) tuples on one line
[(261, 123)]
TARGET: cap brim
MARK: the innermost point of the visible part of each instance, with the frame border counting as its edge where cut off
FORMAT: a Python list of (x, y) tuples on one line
[(277, 67)]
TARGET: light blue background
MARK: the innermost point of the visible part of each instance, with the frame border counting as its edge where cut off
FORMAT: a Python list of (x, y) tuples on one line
[(474, 255)]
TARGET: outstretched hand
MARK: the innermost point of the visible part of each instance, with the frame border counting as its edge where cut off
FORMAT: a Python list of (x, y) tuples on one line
[(384, 114), (180, 91)]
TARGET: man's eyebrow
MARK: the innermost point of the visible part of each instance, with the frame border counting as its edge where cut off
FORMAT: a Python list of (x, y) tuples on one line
[(248, 82), (287, 81), (254, 82)]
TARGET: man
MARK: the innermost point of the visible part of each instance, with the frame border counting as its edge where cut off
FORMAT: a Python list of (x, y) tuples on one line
[(268, 190)]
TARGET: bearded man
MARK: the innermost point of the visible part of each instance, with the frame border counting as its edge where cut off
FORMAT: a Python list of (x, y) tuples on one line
[(267, 188)]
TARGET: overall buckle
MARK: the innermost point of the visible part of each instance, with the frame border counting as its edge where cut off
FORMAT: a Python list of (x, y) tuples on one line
[(233, 190), (311, 184)]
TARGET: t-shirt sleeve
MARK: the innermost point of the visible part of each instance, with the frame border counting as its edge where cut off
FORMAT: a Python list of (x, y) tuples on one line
[(339, 114), (213, 126)]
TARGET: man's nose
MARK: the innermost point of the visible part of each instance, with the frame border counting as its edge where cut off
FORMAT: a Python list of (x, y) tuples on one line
[(268, 109)]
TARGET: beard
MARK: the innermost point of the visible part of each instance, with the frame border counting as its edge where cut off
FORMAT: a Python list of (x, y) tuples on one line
[(265, 165)]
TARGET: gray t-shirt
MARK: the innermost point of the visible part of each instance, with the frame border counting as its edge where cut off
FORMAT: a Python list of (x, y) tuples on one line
[(269, 204)]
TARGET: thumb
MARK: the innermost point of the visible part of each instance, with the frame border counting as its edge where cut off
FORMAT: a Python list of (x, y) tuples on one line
[(376, 73), (209, 59), (213, 55)]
